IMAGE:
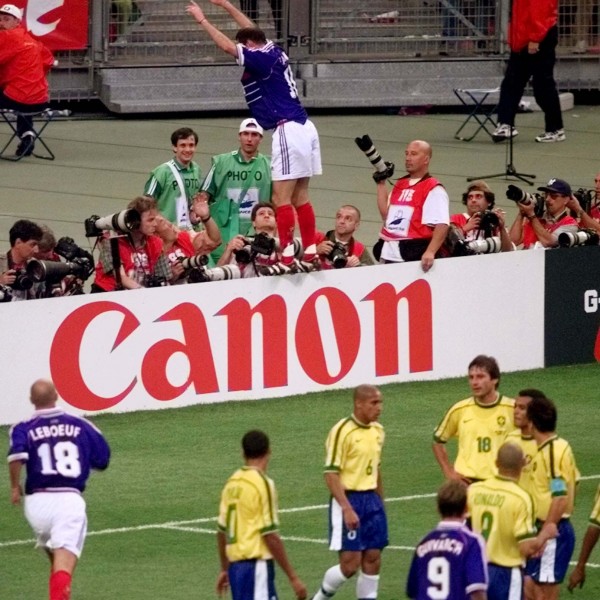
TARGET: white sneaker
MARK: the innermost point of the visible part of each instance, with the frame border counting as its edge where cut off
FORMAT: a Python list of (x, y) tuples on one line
[(580, 47), (552, 136), (504, 132)]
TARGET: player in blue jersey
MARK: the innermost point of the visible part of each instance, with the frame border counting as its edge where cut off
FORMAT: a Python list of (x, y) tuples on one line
[(449, 562), (272, 97), (58, 451)]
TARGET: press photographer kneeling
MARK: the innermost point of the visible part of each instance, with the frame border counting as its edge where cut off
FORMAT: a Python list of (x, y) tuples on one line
[(541, 219), (134, 258)]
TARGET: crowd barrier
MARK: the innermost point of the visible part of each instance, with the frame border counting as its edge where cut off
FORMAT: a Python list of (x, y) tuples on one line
[(277, 336)]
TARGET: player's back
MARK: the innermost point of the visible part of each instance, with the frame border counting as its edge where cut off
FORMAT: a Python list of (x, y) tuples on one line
[(59, 450), (448, 563)]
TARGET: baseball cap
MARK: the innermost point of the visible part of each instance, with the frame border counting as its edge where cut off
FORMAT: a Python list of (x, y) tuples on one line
[(251, 125), (11, 9), (557, 186)]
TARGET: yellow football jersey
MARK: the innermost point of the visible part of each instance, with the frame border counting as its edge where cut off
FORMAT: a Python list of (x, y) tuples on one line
[(354, 450), (248, 510), (480, 430), (554, 473), (502, 512), (529, 447), (595, 515)]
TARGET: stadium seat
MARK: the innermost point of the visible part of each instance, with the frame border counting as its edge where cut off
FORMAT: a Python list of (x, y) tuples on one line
[(475, 101), (41, 120)]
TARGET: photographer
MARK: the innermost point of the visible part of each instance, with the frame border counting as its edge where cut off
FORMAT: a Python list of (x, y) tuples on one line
[(585, 219), (532, 231), (338, 248), (481, 220), (415, 214), (178, 243), (24, 236), (239, 252), (140, 254)]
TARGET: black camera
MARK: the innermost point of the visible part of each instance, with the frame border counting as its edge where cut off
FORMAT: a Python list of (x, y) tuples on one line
[(583, 237), (261, 243), (5, 293), (516, 194), (586, 198), (338, 256), (53, 271), (72, 253), (122, 222), (153, 281), (23, 281), (488, 221), (384, 169)]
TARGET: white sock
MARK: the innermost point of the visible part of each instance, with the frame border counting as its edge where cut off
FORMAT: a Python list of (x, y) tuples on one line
[(367, 586), (332, 582)]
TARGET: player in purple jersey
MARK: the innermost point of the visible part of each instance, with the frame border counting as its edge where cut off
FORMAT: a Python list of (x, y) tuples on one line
[(58, 451), (449, 562), (272, 97)]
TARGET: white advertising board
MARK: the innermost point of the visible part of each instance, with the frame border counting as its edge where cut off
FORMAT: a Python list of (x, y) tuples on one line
[(274, 336)]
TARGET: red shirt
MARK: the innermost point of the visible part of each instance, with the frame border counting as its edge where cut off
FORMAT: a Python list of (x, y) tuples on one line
[(529, 236), (530, 22), (24, 63), (405, 210), (354, 248)]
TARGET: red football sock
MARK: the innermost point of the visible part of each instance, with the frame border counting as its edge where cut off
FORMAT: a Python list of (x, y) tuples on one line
[(286, 222), (308, 226), (60, 585)]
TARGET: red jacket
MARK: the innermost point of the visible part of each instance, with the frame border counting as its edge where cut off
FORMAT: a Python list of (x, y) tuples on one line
[(24, 63), (530, 22)]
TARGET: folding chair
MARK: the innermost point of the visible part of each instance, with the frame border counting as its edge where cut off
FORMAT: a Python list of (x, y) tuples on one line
[(475, 101), (44, 118)]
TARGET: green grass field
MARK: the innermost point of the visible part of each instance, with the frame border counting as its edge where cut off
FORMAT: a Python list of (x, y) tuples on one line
[(151, 515)]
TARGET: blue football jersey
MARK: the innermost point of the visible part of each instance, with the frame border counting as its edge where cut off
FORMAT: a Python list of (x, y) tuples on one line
[(449, 562), (58, 449), (269, 85)]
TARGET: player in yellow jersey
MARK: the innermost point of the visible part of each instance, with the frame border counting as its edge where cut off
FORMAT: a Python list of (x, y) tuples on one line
[(480, 423), (247, 537), (523, 436), (555, 477), (592, 534), (503, 513), (357, 521)]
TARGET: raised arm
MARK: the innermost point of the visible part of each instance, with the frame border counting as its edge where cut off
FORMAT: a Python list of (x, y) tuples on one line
[(218, 37)]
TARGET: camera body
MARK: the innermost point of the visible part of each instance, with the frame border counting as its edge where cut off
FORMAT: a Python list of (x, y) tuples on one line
[(261, 243), (5, 293), (82, 260), (153, 281), (338, 256), (122, 222), (586, 198), (23, 281), (384, 169), (488, 221), (516, 194)]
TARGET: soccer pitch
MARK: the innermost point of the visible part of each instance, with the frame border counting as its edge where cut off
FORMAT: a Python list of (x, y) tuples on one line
[(152, 513)]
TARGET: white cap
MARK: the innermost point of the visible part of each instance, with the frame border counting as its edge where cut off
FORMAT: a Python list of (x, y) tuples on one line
[(13, 11), (251, 125)]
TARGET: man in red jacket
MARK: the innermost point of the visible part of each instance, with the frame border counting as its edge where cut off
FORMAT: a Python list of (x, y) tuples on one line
[(532, 36), (24, 63)]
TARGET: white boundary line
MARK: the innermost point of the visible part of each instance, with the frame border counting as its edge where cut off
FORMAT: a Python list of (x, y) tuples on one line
[(184, 525)]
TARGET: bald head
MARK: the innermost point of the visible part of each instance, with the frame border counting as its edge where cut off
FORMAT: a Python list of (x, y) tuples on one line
[(43, 394), (416, 158), (510, 460)]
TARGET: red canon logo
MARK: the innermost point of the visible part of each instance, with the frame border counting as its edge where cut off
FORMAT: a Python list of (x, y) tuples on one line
[(348, 330)]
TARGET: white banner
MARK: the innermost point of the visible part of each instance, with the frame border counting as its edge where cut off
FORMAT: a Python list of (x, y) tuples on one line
[(274, 336)]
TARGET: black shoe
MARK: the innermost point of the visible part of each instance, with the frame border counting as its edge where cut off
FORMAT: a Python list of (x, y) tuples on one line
[(25, 147)]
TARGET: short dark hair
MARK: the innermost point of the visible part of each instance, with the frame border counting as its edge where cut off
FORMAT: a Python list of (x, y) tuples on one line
[(488, 363), (251, 34), (258, 206), (541, 411), (532, 393), (143, 204), (183, 133), (24, 230), (452, 498), (351, 207), (255, 444)]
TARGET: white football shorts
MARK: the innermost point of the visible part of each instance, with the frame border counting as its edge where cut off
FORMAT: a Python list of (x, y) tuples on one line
[(296, 151)]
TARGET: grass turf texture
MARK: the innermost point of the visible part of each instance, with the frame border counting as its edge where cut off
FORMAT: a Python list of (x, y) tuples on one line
[(168, 468)]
